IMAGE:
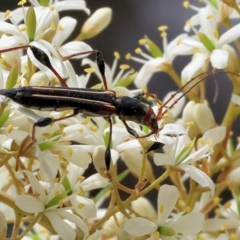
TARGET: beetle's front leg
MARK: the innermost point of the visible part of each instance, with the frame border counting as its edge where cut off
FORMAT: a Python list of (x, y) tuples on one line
[(129, 129)]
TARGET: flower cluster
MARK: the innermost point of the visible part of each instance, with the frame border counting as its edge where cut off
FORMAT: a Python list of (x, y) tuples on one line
[(52, 128)]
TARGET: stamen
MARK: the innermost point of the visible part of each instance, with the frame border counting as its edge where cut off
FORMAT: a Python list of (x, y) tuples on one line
[(124, 66), (60, 27), (9, 128), (161, 209), (6, 14), (128, 56), (89, 70), (186, 4), (138, 50), (142, 41), (163, 28), (116, 55), (52, 26), (22, 2), (81, 205), (70, 152)]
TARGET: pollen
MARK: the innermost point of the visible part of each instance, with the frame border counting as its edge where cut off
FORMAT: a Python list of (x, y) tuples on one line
[(60, 27), (124, 66), (81, 205), (60, 203), (195, 50), (216, 200), (209, 17), (227, 205), (116, 55), (224, 227), (89, 70), (138, 50), (60, 155), (216, 33), (163, 28), (93, 128), (142, 41), (22, 2), (187, 209), (6, 14), (52, 26), (155, 235), (56, 180), (9, 128), (70, 152), (86, 121), (23, 28), (186, 4), (190, 124), (80, 178), (161, 209), (128, 56)]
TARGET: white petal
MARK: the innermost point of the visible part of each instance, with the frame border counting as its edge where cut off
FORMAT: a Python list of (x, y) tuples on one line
[(163, 159), (215, 135), (199, 176), (95, 181), (190, 70), (64, 230), (235, 99), (219, 58), (71, 5), (216, 224), (193, 219), (29, 204), (167, 198), (140, 226), (231, 35)]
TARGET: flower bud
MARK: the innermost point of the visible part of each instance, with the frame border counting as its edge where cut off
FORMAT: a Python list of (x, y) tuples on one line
[(95, 23), (203, 117), (31, 23), (39, 79), (99, 160)]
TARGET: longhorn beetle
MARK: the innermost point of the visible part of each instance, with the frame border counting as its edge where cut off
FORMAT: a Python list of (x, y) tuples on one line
[(91, 102)]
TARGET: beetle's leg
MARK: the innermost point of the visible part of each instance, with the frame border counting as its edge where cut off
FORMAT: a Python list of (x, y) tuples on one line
[(108, 150), (129, 129)]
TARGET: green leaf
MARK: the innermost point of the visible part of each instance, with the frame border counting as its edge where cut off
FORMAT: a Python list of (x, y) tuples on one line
[(66, 184), (214, 3), (12, 77), (206, 41), (31, 23), (55, 200), (124, 82), (4, 117), (120, 177), (44, 3), (153, 48)]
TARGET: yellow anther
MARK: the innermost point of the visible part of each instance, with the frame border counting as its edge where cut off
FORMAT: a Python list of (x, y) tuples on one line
[(191, 145), (24, 82), (209, 17), (190, 124), (43, 230), (179, 41), (52, 8), (6, 14), (52, 26), (238, 138), (60, 203), (132, 71), (161, 209), (163, 28), (56, 180), (81, 205), (2, 60), (89, 70), (181, 202), (116, 55), (128, 56), (233, 236), (60, 156), (186, 4), (46, 135), (42, 84), (48, 238), (163, 34), (155, 235), (124, 66), (138, 50), (142, 41), (217, 212), (225, 227), (86, 121), (93, 128), (188, 22), (201, 140), (187, 209), (22, 2), (227, 205), (216, 33), (80, 178), (81, 191), (60, 27), (39, 176), (80, 130), (210, 143), (195, 50), (23, 28), (216, 200), (70, 152), (165, 116), (9, 128)]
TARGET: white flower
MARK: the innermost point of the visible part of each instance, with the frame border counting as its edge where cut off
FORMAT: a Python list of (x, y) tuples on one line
[(208, 45), (182, 155), (165, 227), (51, 205)]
